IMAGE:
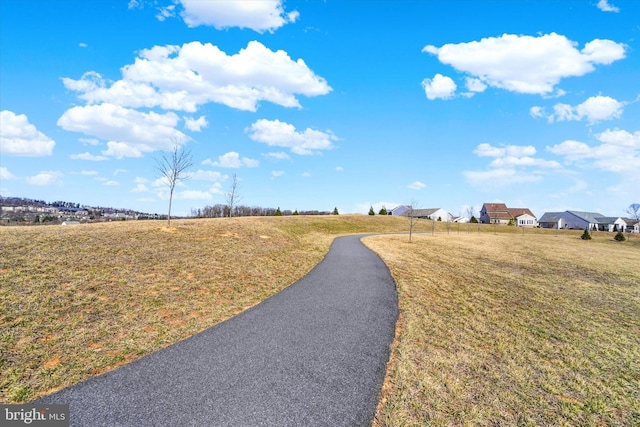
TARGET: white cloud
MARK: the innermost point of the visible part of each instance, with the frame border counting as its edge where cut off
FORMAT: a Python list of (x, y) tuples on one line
[(277, 173), (185, 77), (594, 109), (416, 185), (605, 6), (339, 168), (280, 134), (232, 159), (88, 156), (140, 188), (83, 45), (166, 12), (526, 64), (202, 175), (487, 150), (258, 15), (619, 152), (18, 137), (130, 133), (45, 178), (5, 174), (277, 156), (195, 125), (306, 174), (475, 85), (440, 87), (512, 164)]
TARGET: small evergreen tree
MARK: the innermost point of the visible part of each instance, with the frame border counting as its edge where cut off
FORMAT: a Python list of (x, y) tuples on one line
[(439, 218), (473, 220), (586, 235), (371, 211), (295, 212), (512, 222), (335, 211), (383, 211), (278, 212), (620, 237)]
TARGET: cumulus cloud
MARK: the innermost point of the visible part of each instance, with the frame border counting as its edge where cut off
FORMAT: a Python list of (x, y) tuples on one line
[(129, 133), (593, 110), (257, 15), (45, 178), (416, 185), (619, 151), (275, 133), (605, 6), (511, 164), (232, 159), (202, 175), (440, 87), (5, 174), (184, 77), (526, 64), (277, 173), (18, 137), (195, 125)]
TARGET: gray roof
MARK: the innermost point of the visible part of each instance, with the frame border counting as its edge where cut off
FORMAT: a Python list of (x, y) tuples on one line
[(550, 216), (590, 217)]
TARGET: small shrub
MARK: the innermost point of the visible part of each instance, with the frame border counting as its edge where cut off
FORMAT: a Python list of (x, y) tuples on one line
[(620, 237), (586, 235)]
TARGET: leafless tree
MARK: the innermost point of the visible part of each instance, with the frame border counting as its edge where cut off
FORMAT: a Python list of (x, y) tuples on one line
[(634, 211), (410, 214), (471, 212), (233, 196), (173, 167)]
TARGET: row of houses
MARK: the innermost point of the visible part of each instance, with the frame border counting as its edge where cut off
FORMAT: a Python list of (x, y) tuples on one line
[(499, 213)]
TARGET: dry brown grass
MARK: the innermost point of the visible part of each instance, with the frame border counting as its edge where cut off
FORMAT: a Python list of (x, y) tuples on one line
[(78, 301), (501, 328)]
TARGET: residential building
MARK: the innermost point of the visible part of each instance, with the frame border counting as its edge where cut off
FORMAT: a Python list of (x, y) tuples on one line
[(499, 213)]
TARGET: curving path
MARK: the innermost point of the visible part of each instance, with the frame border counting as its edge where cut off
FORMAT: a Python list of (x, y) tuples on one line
[(313, 355)]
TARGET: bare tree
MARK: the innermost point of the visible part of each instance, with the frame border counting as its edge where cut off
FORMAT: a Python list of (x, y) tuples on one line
[(173, 167), (233, 196), (471, 212), (410, 214), (634, 212)]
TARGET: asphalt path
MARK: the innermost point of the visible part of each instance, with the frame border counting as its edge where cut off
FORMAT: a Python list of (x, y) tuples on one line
[(313, 355)]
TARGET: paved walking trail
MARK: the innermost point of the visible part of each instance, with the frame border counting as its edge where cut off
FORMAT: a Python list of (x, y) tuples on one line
[(313, 355)]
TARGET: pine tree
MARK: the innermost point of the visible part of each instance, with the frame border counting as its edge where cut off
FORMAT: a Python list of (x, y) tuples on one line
[(586, 235), (620, 237), (371, 211), (295, 212), (335, 211), (383, 211), (473, 220), (278, 212)]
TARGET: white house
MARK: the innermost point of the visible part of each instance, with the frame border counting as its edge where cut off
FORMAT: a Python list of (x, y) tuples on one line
[(526, 220), (582, 220), (399, 210)]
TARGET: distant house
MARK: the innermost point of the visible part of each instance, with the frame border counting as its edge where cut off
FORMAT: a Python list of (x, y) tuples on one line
[(399, 210), (633, 225), (433, 213), (582, 221), (70, 223), (461, 219), (499, 213)]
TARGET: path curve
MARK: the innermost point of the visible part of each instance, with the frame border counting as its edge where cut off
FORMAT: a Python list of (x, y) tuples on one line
[(314, 354)]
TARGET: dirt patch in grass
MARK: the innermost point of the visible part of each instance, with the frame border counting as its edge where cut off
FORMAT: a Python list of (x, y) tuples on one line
[(500, 328), (78, 301)]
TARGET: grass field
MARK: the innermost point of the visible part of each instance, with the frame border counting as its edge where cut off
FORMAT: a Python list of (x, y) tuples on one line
[(499, 326), (78, 301)]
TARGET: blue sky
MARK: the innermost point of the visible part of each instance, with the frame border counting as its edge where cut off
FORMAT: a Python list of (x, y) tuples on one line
[(323, 104)]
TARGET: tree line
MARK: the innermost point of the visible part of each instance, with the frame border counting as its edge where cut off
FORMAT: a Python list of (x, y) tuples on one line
[(224, 210)]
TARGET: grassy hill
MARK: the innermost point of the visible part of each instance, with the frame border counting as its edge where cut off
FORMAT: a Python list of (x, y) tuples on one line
[(497, 323)]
